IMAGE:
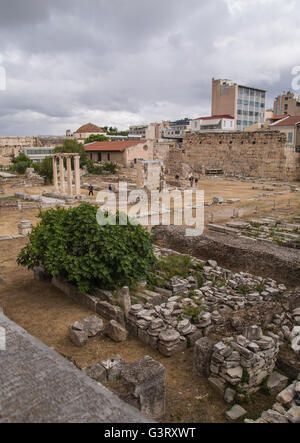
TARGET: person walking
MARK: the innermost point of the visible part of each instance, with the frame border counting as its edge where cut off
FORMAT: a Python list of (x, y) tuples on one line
[(91, 190), (191, 181)]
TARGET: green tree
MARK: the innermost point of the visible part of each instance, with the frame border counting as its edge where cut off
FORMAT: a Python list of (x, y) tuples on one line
[(96, 138), (22, 158), (45, 169), (71, 244), (73, 147)]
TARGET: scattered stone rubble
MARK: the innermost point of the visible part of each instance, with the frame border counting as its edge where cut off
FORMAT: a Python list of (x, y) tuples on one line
[(79, 333), (286, 409), (273, 230)]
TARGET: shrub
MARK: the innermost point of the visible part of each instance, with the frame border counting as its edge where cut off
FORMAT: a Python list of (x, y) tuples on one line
[(111, 167), (20, 167), (45, 169), (71, 244)]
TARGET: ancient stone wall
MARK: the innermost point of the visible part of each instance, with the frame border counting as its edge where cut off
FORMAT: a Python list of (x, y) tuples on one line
[(256, 154)]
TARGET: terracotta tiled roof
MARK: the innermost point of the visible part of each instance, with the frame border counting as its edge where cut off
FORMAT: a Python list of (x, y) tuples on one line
[(118, 146), (215, 117), (88, 128), (288, 121)]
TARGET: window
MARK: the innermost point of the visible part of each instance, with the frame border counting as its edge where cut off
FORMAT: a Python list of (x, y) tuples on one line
[(290, 137), (108, 157), (99, 157)]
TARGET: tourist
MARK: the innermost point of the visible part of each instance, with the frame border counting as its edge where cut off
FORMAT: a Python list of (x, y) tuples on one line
[(191, 181), (91, 190), (196, 182)]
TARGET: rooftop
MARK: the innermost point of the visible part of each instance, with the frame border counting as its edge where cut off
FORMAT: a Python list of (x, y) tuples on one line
[(287, 121), (89, 128), (113, 146)]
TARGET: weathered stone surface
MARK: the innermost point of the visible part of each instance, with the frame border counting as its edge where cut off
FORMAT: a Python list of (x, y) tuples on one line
[(116, 332), (202, 355), (104, 295), (293, 414), (272, 416), (286, 396), (277, 382), (78, 338), (93, 325), (218, 385), (124, 299), (61, 392), (110, 312), (235, 413), (96, 372), (113, 367), (145, 381), (229, 395)]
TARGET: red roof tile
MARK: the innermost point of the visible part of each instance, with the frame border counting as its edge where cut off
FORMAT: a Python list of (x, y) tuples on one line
[(118, 146), (287, 121)]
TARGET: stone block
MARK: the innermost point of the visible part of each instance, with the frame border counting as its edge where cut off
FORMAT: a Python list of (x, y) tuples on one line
[(235, 413), (145, 381), (116, 332), (110, 312), (96, 372), (78, 338), (203, 351), (277, 382), (93, 325), (113, 367)]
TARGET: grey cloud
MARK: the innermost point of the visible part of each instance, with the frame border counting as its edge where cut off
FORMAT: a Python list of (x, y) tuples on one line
[(124, 61)]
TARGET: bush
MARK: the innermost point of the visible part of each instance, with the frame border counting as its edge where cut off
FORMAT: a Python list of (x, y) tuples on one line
[(20, 167), (111, 167), (45, 169), (70, 244), (94, 169)]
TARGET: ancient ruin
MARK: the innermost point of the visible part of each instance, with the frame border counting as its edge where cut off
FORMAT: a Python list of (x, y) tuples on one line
[(60, 185)]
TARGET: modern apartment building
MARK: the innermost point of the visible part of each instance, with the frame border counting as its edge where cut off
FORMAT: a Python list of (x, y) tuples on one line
[(138, 132), (176, 129), (245, 104), (217, 123), (287, 104)]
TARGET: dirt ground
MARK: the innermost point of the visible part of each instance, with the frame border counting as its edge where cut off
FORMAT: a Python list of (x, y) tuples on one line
[(286, 205), (46, 313)]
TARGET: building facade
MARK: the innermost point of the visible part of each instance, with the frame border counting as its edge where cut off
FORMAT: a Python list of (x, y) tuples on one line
[(218, 123), (290, 126), (124, 153), (138, 131), (245, 104), (287, 104)]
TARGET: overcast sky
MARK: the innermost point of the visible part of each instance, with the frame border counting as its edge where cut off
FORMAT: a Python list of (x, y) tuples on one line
[(124, 62)]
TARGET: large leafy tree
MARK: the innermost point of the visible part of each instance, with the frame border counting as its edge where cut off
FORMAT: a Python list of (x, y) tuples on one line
[(71, 244), (73, 146)]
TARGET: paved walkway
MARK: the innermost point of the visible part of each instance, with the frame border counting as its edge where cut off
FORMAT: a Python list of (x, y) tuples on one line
[(37, 385)]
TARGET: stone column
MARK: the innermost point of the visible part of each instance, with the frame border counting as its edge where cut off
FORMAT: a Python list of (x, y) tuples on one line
[(77, 174), (62, 175), (55, 178), (69, 170)]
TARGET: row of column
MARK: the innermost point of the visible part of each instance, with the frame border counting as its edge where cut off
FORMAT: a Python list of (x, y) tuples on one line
[(62, 187)]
